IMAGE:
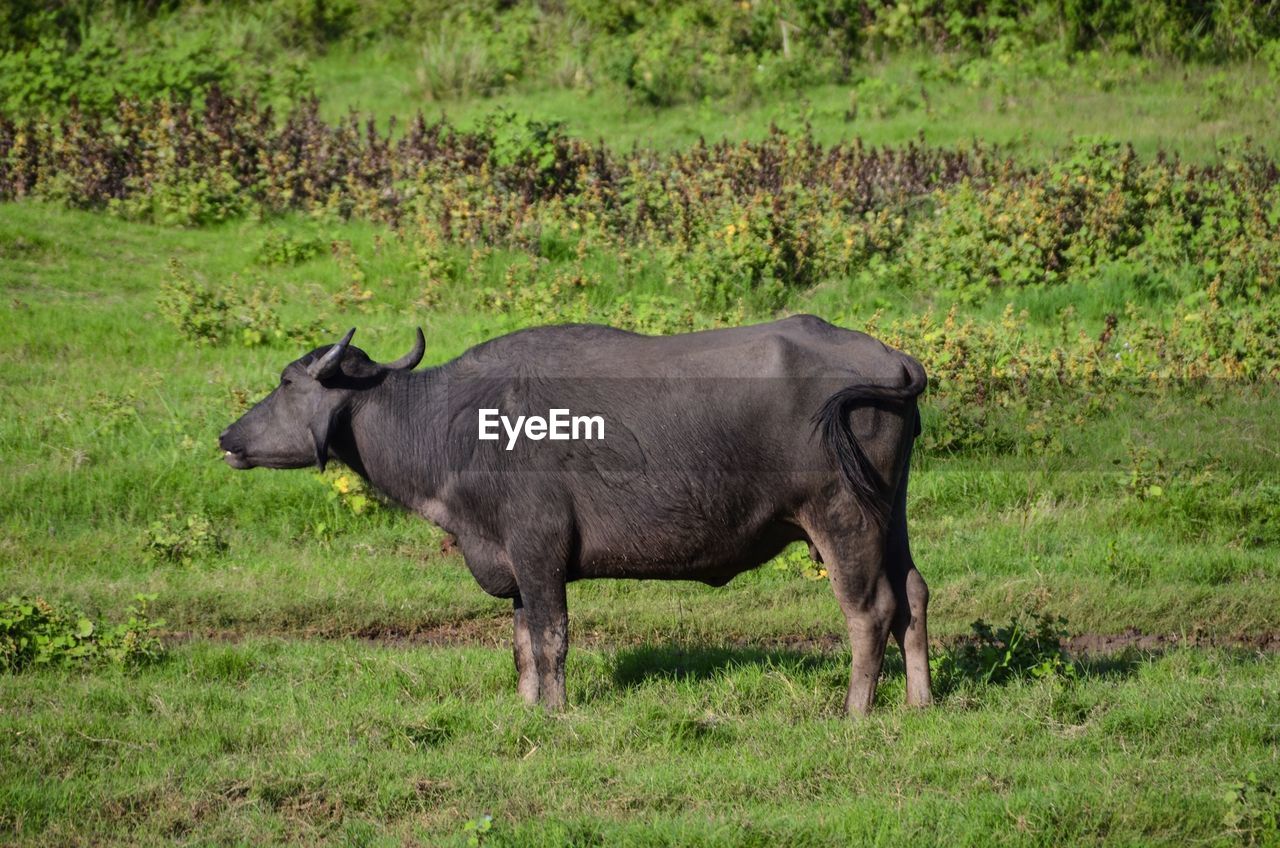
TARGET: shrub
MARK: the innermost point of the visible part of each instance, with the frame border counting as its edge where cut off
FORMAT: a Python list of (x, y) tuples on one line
[(656, 315), (879, 98), (457, 65), (198, 312), (740, 230), (1001, 386), (528, 156), (752, 223), (760, 253), (680, 58), (313, 23), (532, 295), (50, 75)]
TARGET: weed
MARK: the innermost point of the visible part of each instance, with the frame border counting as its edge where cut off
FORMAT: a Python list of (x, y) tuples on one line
[(1253, 811), (1124, 566), (1146, 477), (477, 829), (655, 315), (282, 248), (185, 539), (34, 632), (196, 311), (880, 98), (356, 293), (206, 315), (796, 560), (349, 490), (530, 294), (453, 65), (1028, 646), (114, 412)]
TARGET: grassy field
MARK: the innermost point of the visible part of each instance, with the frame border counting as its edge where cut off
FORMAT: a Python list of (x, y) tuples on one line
[(348, 743), (1153, 106), (336, 677), (113, 420)]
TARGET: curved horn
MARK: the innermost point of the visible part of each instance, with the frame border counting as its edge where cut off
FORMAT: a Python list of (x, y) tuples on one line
[(326, 365), (411, 359)]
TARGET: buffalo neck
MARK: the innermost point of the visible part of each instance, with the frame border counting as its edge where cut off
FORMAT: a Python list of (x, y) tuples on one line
[(394, 436)]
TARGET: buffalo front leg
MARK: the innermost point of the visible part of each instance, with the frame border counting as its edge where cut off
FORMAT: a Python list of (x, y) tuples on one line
[(546, 617), (526, 667)]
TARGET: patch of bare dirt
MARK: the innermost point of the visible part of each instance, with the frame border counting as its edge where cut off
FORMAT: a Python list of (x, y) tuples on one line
[(485, 632), (496, 632), (1112, 643)]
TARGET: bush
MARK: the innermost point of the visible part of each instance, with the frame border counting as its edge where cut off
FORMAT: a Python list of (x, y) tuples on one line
[(751, 223), (1001, 387), (49, 76), (34, 632), (454, 66), (760, 253)]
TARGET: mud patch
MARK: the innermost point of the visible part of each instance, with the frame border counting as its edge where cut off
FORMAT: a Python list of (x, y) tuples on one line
[(476, 632)]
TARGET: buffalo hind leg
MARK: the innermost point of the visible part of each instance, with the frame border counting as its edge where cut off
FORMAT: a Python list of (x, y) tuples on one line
[(911, 632), (855, 566), (546, 616), (526, 667), (910, 625)]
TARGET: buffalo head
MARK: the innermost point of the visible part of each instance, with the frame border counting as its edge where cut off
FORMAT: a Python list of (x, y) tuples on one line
[(290, 428)]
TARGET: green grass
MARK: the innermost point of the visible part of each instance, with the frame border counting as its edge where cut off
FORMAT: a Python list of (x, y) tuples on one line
[(1190, 110), (270, 741)]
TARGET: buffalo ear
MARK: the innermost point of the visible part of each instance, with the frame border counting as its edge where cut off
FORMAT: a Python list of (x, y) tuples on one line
[(320, 427)]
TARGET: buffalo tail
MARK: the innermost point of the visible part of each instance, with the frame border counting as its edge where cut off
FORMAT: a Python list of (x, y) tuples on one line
[(833, 422)]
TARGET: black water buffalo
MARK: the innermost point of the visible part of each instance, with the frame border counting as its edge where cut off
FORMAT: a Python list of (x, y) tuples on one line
[(700, 456)]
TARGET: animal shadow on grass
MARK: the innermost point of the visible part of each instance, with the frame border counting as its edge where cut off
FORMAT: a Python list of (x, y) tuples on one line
[(635, 666), (957, 667)]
